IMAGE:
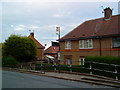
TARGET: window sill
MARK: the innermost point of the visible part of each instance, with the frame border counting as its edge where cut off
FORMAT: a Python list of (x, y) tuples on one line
[(85, 48), (67, 48), (115, 47)]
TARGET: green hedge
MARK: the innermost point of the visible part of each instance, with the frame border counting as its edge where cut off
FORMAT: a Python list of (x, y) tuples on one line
[(44, 66), (104, 59), (81, 69), (9, 62), (74, 68)]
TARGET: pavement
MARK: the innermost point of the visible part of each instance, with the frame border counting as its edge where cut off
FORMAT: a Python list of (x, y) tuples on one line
[(79, 77)]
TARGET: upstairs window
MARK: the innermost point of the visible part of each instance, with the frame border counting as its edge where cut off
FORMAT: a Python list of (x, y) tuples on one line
[(86, 44), (68, 45), (116, 42)]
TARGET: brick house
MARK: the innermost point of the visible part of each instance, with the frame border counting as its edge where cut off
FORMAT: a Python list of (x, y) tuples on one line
[(98, 37), (40, 47), (52, 51)]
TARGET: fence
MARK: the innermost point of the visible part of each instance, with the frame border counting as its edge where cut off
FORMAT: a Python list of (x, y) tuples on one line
[(116, 72), (89, 67)]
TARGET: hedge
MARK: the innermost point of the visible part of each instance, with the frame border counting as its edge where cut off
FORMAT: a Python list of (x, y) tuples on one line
[(81, 69), (9, 62), (107, 60)]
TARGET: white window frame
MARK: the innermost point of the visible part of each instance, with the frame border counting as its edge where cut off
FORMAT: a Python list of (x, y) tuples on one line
[(67, 44), (81, 62), (84, 44), (68, 61)]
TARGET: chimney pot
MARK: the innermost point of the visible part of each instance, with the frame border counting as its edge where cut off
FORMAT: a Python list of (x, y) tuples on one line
[(107, 13), (32, 34)]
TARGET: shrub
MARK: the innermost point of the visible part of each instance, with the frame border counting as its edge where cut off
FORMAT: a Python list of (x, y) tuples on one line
[(74, 68), (104, 59), (9, 62), (85, 68), (44, 66)]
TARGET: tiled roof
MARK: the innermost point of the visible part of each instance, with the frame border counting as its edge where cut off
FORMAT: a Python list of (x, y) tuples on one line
[(39, 45), (96, 27), (52, 49)]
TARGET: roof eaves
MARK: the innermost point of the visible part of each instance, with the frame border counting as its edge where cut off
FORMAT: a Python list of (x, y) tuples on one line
[(91, 37)]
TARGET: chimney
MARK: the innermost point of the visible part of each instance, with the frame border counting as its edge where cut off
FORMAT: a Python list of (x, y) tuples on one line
[(107, 13), (32, 34)]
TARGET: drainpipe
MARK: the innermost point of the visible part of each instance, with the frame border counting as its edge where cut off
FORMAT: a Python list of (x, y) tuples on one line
[(100, 46)]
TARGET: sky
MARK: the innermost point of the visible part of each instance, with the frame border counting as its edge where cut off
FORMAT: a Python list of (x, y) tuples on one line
[(18, 17)]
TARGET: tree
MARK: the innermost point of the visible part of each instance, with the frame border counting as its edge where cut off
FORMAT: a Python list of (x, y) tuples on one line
[(22, 48)]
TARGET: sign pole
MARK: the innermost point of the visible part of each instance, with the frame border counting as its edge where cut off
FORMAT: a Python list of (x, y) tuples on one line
[(58, 33)]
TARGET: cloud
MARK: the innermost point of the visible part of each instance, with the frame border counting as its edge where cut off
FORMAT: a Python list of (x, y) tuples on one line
[(62, 14), (11, 25), (33, 27), (57, 15), (19, 29), (47, 38), (44, 28), (22, 26)]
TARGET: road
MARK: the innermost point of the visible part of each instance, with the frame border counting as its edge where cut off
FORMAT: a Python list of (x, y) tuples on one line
[(21, 80)]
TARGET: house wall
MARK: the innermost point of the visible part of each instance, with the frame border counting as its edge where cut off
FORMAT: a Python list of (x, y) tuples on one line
[(76, 53), (40, 53)]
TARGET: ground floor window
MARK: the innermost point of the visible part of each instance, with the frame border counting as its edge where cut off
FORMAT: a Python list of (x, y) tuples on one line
[(68, 59), (81, 61)]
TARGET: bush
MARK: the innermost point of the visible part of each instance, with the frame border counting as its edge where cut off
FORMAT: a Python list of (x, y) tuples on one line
[(104, 59), (85, 68), (107, 60), (74, 68), (44, 66), (9, 62), (79, 68)]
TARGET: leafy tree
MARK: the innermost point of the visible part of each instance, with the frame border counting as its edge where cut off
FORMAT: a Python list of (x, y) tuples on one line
[(0, 45), (22, 48)]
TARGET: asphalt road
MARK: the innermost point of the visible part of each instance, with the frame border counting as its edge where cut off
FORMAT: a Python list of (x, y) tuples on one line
[(21, 80)]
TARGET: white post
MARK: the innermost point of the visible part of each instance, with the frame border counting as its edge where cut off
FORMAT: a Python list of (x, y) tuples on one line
[(70, 68), (41, 66), (90, 69), (116, 73), (54, 68)]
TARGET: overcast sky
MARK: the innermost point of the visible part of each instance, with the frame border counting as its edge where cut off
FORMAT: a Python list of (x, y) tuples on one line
[(43, 17)]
